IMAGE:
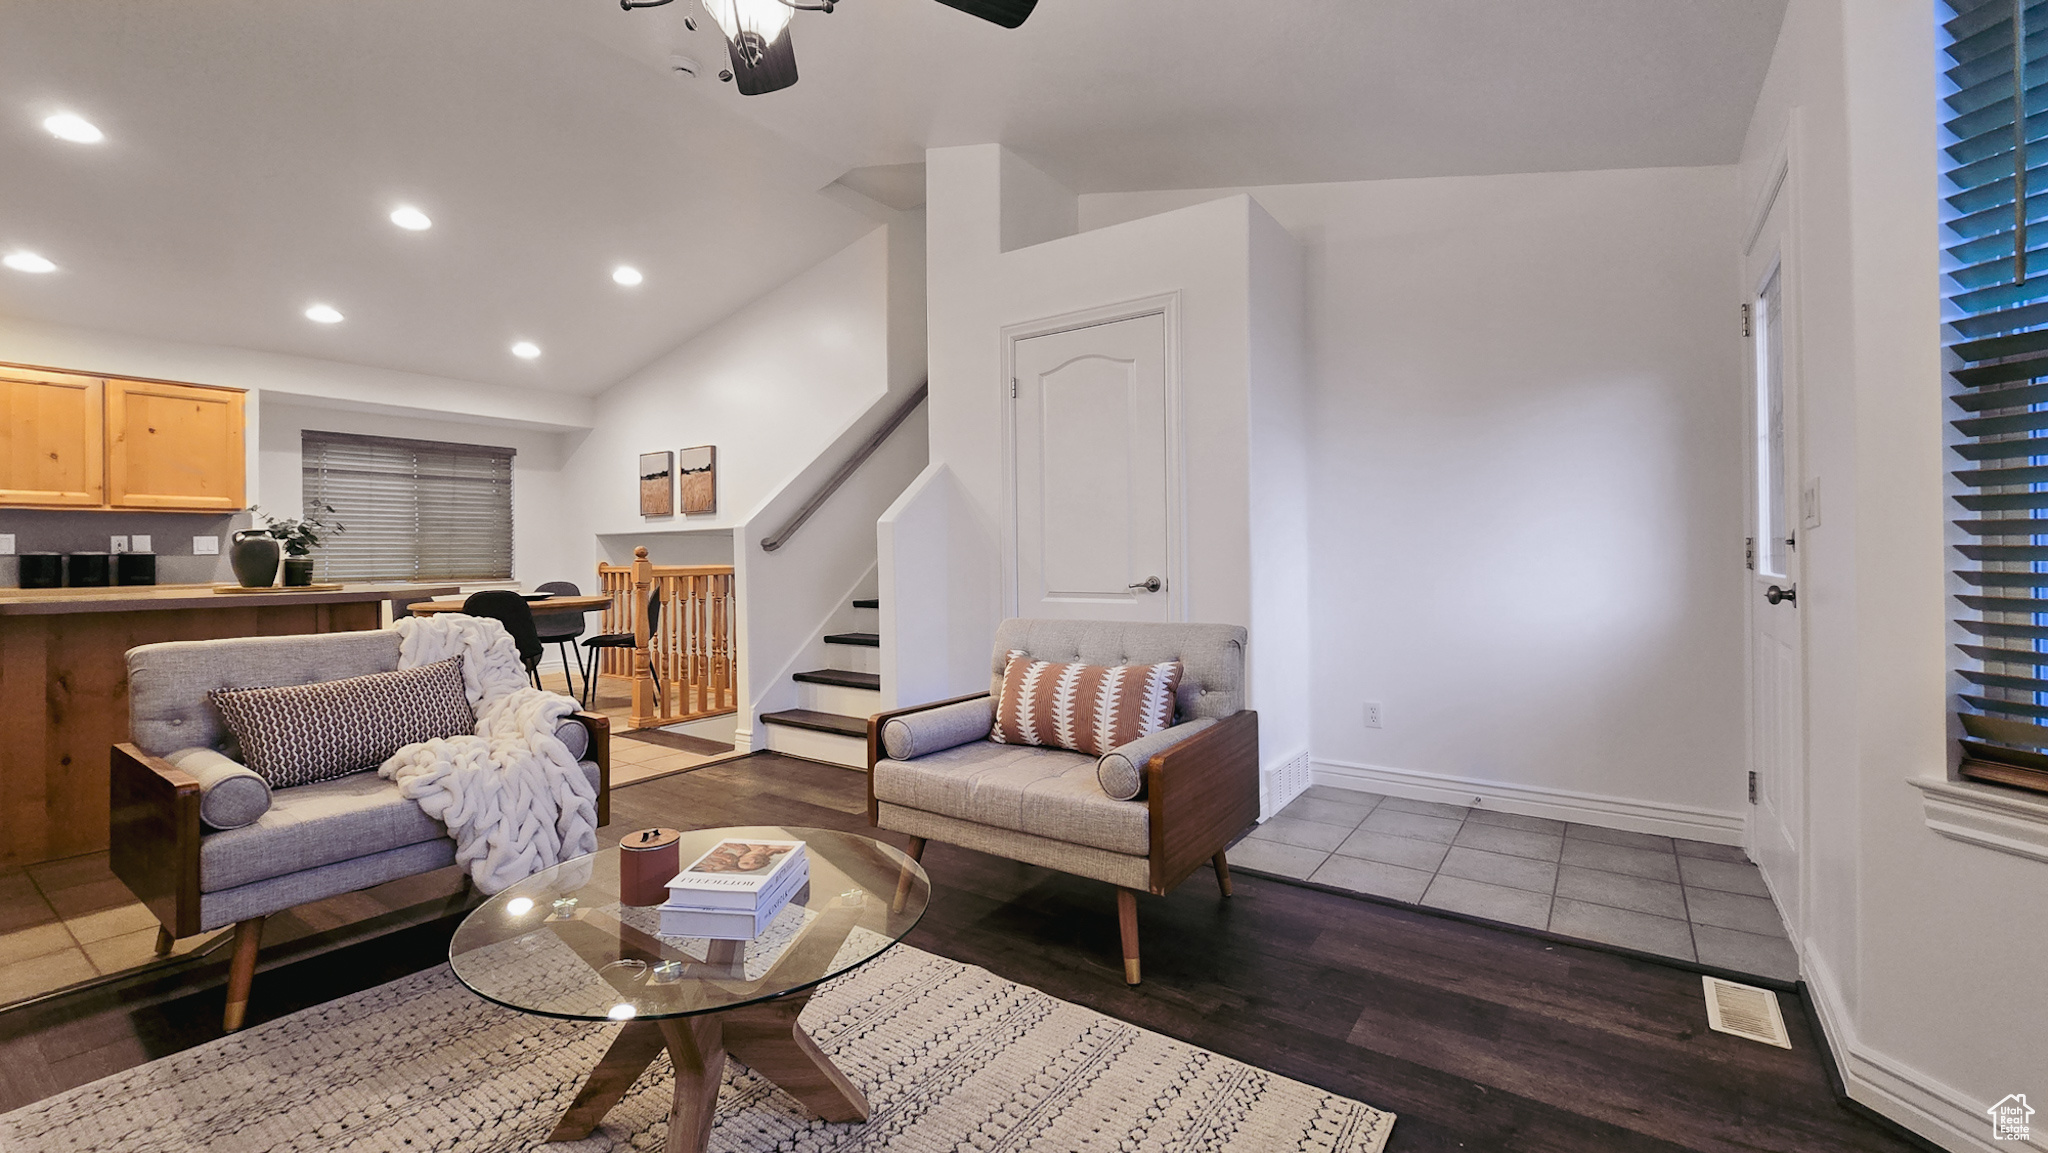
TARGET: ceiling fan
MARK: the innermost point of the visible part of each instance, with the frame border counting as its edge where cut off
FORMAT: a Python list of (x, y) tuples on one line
[(757, 32)]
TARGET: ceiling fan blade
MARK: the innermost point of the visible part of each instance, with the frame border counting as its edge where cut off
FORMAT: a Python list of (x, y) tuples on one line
[(776, 69), (1008, 13)]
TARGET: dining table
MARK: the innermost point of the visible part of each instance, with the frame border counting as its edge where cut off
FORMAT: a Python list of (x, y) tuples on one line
[(553, 604)]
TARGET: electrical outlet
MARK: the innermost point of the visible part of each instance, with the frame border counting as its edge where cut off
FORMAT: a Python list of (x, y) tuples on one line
[(140, 543), (1372, 714), (205, 546), (6, 544), (117, 544)]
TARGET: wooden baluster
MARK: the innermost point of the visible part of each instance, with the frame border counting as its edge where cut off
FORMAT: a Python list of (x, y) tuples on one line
[(643, 687)]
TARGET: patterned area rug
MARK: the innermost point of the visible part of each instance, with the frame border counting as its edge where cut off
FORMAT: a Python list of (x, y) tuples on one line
[(951, 1058)]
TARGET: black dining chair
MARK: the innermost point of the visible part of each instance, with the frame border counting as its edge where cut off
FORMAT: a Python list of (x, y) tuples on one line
[(620, 641), (509, 609), (562, 628)]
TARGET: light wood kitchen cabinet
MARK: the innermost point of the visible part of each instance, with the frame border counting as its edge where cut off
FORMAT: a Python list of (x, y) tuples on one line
[(173, 446), (52, 440), (71, 440)]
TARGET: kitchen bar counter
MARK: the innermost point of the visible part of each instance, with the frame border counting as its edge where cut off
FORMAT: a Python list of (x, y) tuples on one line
[(141, 598), (64, 686)]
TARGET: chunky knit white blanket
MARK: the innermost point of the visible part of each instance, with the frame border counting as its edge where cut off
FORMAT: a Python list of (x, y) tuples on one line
[(512, 796)]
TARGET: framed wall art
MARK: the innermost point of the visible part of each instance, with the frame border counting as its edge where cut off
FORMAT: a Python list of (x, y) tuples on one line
[(698, 468), (657, 484)]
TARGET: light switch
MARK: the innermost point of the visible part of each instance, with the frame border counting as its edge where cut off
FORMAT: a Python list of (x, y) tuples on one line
[(117, 544), (205, 546), (138, 542), (6, 544)]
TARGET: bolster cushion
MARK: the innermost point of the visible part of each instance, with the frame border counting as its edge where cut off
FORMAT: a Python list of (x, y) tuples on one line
[(909, 737), (1121, 771), (230, 794), (572, 733)]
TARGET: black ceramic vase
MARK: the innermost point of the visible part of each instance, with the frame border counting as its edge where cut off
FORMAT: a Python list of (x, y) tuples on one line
[(254, 555)]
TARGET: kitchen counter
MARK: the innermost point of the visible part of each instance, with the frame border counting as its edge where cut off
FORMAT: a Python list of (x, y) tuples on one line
[(64, 686), (144, 598)]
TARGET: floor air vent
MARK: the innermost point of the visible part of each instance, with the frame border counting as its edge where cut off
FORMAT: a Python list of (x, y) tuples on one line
[(1745, 1011)]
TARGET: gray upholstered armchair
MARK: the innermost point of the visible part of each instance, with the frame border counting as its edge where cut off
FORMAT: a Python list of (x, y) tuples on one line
[(934, 774), (204, 842)]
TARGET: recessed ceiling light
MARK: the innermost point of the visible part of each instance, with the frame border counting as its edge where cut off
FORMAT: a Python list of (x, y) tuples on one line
[(411, 219), (627, 275), (324, 313), (70, 126), (526, 350), (27, 262)]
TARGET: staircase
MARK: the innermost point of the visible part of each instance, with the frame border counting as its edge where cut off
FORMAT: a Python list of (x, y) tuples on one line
[(831, 721)]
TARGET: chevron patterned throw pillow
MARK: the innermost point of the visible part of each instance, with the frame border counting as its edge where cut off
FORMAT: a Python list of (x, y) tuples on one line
[(1087, 708), (300, 734)]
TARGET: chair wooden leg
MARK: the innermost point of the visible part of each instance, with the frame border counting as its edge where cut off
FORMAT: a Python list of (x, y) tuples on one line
[(164, 941), (1222, 872), (903, 878), (242, 971), (1127, 924)]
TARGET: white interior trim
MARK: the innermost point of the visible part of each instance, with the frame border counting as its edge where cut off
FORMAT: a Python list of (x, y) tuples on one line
[(1709, 825), (1886, 1085), (1985, 815)]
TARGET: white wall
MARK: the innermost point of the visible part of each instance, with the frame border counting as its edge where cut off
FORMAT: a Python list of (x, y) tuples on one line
[(771, 386), (1526, 492), (1000, 255), (938, 587), (542, 545), (1924, 954)]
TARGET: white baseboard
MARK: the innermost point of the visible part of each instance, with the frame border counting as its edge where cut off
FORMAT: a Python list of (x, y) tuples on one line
[(1888, 1086), (1720, 828)]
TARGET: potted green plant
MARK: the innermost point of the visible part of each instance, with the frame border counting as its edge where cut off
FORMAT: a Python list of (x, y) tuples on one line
[(299, 536)]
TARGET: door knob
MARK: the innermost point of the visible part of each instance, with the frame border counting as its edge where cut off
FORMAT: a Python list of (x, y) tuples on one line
[(1149, 584), (1776, 595)]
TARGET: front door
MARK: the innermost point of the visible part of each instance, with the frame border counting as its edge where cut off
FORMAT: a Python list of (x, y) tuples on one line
[(1777, 678), (1091, 481)]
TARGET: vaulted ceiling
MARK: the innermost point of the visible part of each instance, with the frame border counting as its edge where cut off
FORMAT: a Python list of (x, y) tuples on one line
[(254, 151)]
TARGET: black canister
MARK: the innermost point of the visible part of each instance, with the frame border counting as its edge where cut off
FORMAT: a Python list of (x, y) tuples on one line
[(86, 570), (135, 568), (42, 570)]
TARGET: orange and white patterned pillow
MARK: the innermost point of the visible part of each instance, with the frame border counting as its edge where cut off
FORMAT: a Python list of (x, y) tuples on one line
[(1087, 708)]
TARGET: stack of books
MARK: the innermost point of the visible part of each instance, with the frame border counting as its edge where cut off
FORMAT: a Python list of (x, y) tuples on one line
[(732, 892)]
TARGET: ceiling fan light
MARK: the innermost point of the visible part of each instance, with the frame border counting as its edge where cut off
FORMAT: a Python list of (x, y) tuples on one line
[(751, 24)]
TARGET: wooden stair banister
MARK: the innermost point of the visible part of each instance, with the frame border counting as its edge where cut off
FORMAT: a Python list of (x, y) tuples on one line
[(681, 664)]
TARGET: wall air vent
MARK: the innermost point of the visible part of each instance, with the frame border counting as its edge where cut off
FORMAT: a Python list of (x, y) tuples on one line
[(1745, 1011)]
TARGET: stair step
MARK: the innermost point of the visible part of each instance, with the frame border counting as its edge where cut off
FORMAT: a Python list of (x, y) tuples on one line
[(818, 722), (867, 603), (841, 677), (868, 640)]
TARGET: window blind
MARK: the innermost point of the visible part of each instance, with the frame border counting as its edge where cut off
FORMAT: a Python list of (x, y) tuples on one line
[(1996, 165), (414, 509)]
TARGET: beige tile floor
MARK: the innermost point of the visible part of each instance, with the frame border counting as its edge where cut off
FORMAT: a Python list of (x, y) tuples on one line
[(71, 921)]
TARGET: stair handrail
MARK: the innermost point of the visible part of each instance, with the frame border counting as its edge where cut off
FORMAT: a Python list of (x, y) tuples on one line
[(860, 457)]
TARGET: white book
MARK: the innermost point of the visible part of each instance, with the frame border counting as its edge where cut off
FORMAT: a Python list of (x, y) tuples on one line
[(721, 924), (737, 874)]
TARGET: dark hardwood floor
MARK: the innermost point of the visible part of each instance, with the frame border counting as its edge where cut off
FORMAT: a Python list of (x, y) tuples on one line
[(1480, 1038)]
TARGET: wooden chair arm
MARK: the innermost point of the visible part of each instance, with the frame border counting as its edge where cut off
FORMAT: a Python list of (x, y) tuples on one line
[(153, 835), (599, 727), (1202, 793), (875, 724)]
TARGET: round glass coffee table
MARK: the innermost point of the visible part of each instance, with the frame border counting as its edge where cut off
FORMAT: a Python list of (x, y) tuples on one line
[(560, 944)]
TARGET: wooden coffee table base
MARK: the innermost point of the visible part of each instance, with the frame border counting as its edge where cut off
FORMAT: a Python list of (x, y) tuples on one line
[(765, 1036)]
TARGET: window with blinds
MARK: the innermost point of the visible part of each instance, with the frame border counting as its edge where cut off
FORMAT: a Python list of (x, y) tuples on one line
[(413, 509), (1996, 162)]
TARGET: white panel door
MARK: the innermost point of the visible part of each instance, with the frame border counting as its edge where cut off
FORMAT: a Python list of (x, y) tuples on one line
[(1091, 483), (1776, 653)]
